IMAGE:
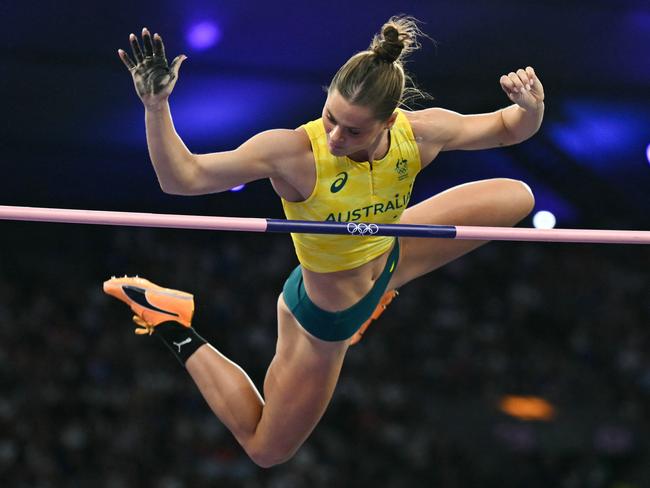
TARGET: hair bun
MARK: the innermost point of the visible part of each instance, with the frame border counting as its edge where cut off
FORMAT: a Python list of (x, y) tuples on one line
[(376, 78), (389, 47), (398, 38)]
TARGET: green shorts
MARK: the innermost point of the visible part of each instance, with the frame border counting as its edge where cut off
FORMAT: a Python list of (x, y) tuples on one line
[(336, 326)]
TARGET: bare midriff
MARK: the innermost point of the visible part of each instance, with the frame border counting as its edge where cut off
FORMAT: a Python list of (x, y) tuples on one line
[(339, 290)]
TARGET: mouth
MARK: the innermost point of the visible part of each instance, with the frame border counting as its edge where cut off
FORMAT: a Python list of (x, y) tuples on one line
[(334, 148)]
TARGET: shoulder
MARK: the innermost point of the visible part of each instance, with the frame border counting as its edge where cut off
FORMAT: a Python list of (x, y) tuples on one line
[(432, 129), (281, 142), (433, 125), (276, 148), (290, 154), (299, 154)]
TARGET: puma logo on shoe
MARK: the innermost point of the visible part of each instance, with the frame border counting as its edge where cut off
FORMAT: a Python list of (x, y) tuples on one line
[(180, 344), (138, 295)]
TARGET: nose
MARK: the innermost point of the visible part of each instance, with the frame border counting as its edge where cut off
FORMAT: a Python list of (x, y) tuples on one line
[(336, 135)]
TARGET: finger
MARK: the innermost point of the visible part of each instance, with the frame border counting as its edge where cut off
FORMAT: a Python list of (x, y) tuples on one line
[(158, 47), (146, 41), (532, 76), (519, 86), (176, 63), (135, 47), (530, 72), (507, 84), (128, 62), (523, 76)]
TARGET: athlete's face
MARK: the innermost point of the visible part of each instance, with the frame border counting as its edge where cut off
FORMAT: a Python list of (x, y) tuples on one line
[(350, 128)]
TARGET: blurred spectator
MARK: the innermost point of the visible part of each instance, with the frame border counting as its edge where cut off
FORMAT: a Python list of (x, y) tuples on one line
[(87, 403)]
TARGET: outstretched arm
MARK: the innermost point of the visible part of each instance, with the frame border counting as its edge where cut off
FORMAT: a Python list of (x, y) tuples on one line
[(445, 130), (154, 82), (180, 171)]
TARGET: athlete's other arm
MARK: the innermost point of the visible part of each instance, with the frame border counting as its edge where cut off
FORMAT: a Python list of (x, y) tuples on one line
[(179, 171), (449, 130)]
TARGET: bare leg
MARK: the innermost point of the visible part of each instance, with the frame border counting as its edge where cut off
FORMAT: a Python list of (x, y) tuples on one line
[(496, 202), (303, 374), (229, 391), (298, 387)]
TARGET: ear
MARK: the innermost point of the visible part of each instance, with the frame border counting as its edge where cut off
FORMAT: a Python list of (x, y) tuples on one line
[(391, 120)]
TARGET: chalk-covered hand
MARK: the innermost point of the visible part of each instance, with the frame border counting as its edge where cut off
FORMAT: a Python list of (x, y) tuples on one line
[(153, 78)]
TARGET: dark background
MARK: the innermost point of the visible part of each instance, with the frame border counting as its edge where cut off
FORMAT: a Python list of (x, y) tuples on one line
[(84, 402)]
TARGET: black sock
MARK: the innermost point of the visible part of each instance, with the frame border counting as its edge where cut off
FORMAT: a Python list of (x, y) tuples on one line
[(182, 341)]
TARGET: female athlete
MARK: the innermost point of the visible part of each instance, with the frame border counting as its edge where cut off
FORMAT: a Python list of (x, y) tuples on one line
[(356, 163)]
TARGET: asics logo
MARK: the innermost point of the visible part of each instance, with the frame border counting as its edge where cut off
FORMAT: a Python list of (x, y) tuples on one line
[(362, 229), (139, 296), (181, 344), (339, 182)]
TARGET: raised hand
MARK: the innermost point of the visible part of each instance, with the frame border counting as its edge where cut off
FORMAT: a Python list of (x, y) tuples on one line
[(523, 88), (153, 78)]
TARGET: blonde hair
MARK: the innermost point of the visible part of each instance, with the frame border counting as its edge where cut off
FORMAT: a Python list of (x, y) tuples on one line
[(376, 77)]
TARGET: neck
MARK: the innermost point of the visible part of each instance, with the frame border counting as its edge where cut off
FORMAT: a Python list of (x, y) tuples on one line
[(377, 149)]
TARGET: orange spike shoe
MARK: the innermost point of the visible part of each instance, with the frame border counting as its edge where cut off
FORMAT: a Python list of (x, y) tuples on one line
[(152, 304), (381, 306)]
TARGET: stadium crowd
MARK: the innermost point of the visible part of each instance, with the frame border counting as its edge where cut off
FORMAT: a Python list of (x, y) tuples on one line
[(85, 402)]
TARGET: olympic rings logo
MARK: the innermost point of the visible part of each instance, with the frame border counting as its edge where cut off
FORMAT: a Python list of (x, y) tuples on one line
[(362, 229)]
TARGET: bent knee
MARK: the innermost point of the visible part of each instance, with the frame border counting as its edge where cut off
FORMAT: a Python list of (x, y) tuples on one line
[(520, 196), (267, 458)]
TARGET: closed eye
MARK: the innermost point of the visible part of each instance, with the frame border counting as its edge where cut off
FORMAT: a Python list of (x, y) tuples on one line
[(353, 132)]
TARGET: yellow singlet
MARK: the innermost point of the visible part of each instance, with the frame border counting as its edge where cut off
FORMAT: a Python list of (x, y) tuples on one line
[(349, 191)]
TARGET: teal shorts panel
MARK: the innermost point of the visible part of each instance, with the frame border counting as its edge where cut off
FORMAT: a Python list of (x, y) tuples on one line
[(336, 326)]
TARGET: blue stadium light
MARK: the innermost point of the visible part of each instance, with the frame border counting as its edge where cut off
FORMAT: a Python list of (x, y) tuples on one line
[(647, 153), (238, 188), (203, 35), (544, 220)]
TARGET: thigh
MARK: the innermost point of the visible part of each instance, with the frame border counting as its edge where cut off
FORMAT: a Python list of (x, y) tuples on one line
[(299, 384), (496, 202)]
